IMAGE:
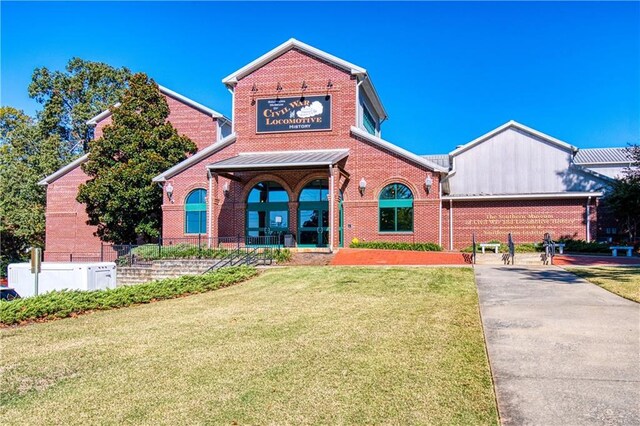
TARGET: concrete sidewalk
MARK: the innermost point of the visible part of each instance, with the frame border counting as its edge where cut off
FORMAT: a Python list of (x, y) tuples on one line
[(562, 351)]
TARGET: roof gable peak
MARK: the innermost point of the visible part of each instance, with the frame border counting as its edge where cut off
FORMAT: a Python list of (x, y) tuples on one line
[(512, 124), (280, 50)]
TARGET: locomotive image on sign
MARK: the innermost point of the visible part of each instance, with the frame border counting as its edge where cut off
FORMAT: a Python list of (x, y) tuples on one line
[(298, 114)]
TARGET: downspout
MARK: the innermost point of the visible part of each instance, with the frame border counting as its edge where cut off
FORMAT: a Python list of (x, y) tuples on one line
[(233, 108), (450, 224), (440, 211), (358, 101), (588, 219), (210, 211)]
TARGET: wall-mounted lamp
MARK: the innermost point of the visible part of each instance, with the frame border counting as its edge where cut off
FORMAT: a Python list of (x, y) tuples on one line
[(225, 188), (168, 188), (329, 84), (304, 85), (428, 183), (362, 186), (279, 87), (254, 88)]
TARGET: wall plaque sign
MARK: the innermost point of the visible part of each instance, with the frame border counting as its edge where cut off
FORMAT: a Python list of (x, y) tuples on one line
[(298, 114)]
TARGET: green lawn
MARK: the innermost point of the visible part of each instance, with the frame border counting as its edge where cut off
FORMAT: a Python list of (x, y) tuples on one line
[(305, 345), (621, 280)]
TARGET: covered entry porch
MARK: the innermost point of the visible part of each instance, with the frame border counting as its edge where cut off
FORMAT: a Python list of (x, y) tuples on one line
[(291, 198)]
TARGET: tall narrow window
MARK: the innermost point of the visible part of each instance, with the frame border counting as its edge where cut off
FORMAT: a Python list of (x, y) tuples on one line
[(195, 212), (368, 121), (395, 209)]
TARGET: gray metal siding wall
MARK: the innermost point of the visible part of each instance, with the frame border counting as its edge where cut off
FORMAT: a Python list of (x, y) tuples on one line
[(514, 162)]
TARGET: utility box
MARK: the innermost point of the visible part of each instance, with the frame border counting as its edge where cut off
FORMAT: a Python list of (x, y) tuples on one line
[(288, 240), (61, 276)]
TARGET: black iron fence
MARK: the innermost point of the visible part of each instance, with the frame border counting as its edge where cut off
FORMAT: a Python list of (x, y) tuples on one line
[(196, 247)]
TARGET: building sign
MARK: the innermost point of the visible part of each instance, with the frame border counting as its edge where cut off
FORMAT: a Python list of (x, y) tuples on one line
[(528, 225), (299, 114)]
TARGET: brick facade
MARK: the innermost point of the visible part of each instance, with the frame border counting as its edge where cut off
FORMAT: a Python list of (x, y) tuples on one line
[(378, 166), (528, 220), (67, 234)]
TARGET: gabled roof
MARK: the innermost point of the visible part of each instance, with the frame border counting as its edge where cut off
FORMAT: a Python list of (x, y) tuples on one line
[(292, 43), (602, 156), (211, 149), (64, 170), (168, 92), (281, 159), (518, 126), (381, 143)]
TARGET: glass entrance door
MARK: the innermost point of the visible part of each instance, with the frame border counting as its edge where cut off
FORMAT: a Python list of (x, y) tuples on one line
[(264, 222), (313, 224), (313, 214)]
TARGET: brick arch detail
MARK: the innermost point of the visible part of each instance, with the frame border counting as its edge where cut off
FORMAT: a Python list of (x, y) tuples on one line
[(189, 189), (264, 178), (396, 179), (306, 180)]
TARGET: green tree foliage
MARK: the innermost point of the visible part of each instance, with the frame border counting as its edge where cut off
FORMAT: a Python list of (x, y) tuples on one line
[(121, 199), (25, 158), (73, 96), (623, 199)]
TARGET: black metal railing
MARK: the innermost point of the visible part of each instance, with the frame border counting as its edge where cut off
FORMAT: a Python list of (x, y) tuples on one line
[(196, 247)]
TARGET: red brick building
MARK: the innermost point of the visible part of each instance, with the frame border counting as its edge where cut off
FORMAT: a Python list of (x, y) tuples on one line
[(303, 156)]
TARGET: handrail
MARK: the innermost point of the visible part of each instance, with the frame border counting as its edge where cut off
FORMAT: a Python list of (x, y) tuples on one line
[(473, 243)]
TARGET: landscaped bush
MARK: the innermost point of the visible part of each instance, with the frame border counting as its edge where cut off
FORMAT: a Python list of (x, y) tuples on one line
[(581, 246), (385, 245), (177, 251), (279, 255), (61, 304)]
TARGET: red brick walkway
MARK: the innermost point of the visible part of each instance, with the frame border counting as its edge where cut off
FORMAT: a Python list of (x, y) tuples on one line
[(348, 256), (566, 260)]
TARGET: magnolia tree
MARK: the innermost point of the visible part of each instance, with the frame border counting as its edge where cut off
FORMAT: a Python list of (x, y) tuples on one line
[(120, 197)]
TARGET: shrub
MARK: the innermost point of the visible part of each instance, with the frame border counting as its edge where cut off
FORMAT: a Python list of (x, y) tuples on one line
[(61, 304), (385, 245), (279, 255), (581, 246)]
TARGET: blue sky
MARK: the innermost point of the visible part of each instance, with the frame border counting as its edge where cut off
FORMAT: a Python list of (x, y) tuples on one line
[(446, 72)]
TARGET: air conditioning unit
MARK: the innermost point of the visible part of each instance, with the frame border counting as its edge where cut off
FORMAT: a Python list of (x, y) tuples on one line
[(61, 276)]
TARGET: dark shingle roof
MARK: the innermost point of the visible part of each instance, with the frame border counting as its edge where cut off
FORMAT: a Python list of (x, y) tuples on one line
[(602, 155)]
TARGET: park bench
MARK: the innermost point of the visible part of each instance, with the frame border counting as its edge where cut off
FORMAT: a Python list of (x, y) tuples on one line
[(614, 250), (494, 246)]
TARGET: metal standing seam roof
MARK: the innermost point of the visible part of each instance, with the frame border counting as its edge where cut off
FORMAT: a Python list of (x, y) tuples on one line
[(440, 159), (602, 155), (262, 160)]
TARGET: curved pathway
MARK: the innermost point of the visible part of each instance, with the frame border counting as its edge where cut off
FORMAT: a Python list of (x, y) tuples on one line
[(562, 351)]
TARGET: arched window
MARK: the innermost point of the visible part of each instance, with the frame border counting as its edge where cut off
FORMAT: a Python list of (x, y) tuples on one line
[(195, 212), (395, 209)]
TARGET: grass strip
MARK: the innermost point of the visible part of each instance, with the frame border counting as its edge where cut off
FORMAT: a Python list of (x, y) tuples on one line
[(62, 304), (621, 280)]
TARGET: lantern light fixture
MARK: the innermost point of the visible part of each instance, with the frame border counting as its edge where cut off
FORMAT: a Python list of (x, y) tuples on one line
[(168, 188), (362, 186), (225, 188), (304, 85), (279, 87), (428, 183)]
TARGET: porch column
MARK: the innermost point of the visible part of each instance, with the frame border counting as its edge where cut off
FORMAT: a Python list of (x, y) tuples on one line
[(334, 211)]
